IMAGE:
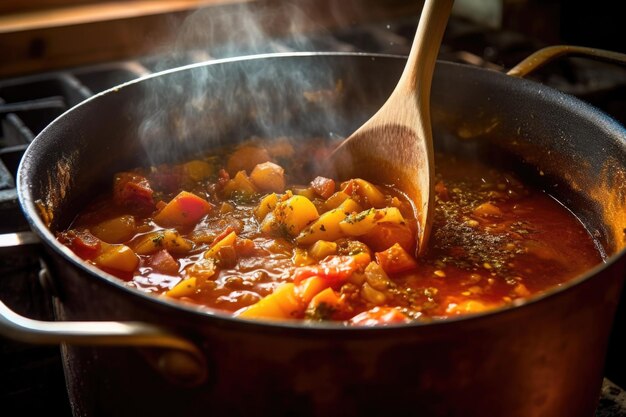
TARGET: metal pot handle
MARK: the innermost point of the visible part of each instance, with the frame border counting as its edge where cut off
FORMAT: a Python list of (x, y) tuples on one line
[(181, 361), (545, 55)]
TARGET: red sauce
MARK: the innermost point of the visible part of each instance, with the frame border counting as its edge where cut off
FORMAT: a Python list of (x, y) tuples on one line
[(494, 239)]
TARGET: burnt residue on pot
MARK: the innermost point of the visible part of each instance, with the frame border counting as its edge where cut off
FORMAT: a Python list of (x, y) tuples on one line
[(59, 180), (610, 196)]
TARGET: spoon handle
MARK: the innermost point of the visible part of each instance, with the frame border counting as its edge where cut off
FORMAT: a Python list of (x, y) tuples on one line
[(418, 72)]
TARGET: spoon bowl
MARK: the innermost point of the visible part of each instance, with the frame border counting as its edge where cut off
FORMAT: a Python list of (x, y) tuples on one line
[(395, 146)]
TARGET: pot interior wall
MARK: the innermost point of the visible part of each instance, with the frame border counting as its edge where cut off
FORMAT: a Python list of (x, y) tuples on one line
[(574, 152)]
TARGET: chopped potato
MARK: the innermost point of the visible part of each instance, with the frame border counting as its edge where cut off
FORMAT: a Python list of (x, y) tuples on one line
[(267, 205), (322, 249), (185, 288), (119, 257), (326, 227), (198, 170), (368, 193), (240, 186), (115, 230), (168, 239), (361, 223), (268, 177), (295, 214)]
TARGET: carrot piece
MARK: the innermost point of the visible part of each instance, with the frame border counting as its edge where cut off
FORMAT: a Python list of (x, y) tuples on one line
[(334, 269), (395, 259), (185, 209), (310, 287), (228, 240), (229, 229)]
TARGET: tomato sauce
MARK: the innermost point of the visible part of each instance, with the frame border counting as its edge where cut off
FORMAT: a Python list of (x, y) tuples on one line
[(252, 232)]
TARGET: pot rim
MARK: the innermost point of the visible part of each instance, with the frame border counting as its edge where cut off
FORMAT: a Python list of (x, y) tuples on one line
[(37, 225)]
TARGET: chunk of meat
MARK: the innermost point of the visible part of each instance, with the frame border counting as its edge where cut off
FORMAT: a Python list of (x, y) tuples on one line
[(164, 263), (324, 187), (133, 191)]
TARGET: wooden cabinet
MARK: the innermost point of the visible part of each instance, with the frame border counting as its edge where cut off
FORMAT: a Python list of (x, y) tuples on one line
[(36, 40)]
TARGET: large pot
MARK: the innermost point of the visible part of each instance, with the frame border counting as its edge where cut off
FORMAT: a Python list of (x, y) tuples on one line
[(540, 357)]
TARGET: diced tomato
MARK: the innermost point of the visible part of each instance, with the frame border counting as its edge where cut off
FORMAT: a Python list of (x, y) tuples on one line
[(334, 269), (222, 177), (167, 178), (378, 316), (245, 247), (384, 235), (185, 209), (133, 191), (325, 187), (395, 260), (164, 263), (442, 191), (83, 243)]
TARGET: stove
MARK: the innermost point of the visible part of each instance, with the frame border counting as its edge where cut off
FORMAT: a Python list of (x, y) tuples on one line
[(32, 378)]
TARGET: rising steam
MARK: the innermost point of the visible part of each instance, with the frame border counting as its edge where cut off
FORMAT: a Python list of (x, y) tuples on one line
[(191, 110)]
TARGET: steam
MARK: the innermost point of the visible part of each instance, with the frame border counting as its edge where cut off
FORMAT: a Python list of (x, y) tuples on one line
[(189, 111)]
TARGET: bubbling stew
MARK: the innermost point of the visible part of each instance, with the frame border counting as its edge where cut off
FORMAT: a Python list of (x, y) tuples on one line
[(249, 230)]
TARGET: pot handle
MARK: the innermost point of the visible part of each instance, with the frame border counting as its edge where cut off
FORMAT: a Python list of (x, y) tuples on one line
[(181, 360), (545, 55)]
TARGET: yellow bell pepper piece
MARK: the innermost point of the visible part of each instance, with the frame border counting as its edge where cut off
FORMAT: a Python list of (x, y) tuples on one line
[(119, 257)]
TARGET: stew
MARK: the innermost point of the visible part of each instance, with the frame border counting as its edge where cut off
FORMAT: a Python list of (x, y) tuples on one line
[(250, 231)]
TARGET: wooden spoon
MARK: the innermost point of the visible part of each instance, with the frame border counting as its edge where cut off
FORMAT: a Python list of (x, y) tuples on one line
[(395, 146)]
